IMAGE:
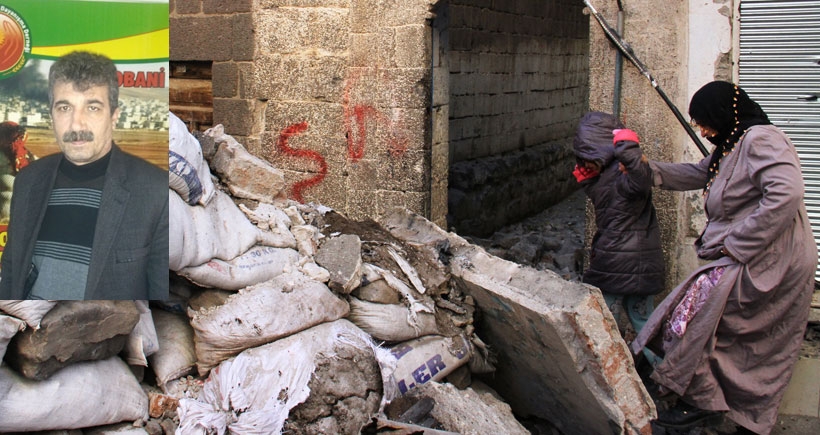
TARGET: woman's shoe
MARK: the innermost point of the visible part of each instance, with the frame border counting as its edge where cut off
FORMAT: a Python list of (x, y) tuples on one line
[(685, 416)]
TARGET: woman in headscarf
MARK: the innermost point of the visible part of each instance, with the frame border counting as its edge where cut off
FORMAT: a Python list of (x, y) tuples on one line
[(731, 332)]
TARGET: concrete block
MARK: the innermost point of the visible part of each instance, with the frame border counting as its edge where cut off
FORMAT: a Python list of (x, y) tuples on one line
[(560, 355), (342, 257)]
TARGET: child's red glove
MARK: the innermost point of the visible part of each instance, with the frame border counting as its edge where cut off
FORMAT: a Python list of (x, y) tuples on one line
[(581, 173), (624, 134)]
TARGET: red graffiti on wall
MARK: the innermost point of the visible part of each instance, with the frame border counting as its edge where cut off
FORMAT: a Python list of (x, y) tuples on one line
[(356, 117), (282, 146)]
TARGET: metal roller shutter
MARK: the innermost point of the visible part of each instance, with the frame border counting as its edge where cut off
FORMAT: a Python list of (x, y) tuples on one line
[(780, 69)]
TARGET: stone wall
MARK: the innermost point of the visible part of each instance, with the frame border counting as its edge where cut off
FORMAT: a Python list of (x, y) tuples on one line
[(337, 93), (518, 85)]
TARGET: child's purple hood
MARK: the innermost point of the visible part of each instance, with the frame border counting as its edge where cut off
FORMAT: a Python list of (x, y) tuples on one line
[(593, 139)]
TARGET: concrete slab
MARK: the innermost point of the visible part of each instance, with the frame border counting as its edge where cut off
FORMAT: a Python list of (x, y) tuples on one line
[(803, 393), (560, 356)]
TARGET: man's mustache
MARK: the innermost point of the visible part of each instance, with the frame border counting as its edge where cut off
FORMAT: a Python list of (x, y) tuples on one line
[(76, 136)]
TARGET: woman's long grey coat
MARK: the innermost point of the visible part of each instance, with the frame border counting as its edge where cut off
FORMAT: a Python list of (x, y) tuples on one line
[(739, 350)]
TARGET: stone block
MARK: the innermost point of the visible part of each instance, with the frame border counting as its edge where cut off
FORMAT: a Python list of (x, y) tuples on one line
[(342, 257), (187, 6), (72, 331), (246, 175), (560, 355), (225, 83), (226, 6), (201, 38), (239, 117)]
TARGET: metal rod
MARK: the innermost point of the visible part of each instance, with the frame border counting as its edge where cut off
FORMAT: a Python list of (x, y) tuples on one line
[(626, 50), (619, 66)]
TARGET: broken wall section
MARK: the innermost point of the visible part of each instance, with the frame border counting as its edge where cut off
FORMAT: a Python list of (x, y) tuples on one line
[(560, 356)]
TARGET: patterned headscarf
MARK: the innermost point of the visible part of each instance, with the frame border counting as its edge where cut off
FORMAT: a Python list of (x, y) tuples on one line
[(727, 109)]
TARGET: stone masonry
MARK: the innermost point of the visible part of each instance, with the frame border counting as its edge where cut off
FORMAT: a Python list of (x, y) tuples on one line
[(366, 105), (518, 85), (336, 93)]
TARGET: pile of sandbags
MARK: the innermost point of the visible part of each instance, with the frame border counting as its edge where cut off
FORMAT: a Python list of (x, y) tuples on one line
[(282, 316)]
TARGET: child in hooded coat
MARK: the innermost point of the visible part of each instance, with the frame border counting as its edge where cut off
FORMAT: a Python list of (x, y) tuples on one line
[(626, 260)]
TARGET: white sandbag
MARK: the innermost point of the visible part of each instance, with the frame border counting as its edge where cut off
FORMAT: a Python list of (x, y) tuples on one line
[(176, 356), (424, 359), (85, 394), (198, 234), (188, 172), (254, 392), (258, 264), (260, 314), (142, 342), (391, 322), (9, 327), (31, 312)]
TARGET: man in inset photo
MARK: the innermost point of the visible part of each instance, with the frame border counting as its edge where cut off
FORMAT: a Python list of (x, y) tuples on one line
[(89, 222)]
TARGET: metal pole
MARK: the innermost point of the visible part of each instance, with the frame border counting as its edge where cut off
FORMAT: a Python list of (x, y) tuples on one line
[(626, 50), (619, 66)]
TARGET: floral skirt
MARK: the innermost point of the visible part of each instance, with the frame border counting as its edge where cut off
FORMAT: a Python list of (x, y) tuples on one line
[(692, 301)]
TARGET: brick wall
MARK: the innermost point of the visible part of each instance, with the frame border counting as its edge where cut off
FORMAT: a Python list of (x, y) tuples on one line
[(518, 85)]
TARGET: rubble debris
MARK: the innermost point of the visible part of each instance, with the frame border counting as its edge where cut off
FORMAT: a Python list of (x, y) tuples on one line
[(284, 315), (72, 331), (468, 411), (565, 339)]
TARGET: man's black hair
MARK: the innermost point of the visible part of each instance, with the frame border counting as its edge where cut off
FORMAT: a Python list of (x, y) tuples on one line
[(84, 70)]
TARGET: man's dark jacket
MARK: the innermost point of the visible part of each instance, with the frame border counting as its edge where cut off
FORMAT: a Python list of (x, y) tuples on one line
[(626, 256), (129, 259)]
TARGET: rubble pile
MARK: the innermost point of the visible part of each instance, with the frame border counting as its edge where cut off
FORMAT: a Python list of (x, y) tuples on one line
[(282, 317)]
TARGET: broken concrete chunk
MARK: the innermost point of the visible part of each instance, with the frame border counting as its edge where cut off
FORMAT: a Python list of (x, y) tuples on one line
[(246, 175), (314, 271), (274, 223), (72, 331), (564, 340), (462, 411), (342, 257)]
